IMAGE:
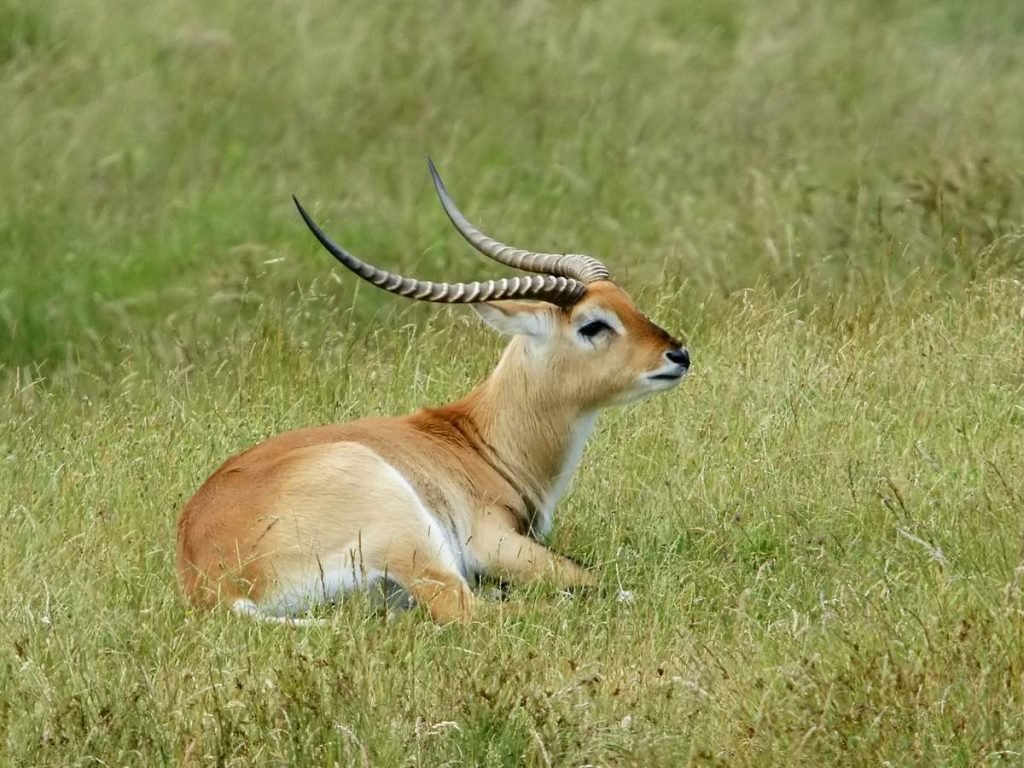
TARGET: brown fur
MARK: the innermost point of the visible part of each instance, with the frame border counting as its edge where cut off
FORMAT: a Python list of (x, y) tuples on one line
[(399, 496)]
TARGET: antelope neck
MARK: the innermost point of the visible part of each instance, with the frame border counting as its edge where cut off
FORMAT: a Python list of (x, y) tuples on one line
[(533, 430)]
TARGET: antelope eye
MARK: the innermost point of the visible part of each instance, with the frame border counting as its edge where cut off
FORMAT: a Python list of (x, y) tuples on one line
[(593, 328)]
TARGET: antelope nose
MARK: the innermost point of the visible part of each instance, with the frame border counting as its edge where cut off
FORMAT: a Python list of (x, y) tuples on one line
[(679, 356)]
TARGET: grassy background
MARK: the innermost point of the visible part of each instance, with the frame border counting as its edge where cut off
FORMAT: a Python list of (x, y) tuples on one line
[(822, 528)]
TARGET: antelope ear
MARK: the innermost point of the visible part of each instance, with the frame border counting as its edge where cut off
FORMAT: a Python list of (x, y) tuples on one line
[(514, 318)]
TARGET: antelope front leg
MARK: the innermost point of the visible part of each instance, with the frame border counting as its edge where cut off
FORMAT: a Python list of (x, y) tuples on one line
[(503, 553)]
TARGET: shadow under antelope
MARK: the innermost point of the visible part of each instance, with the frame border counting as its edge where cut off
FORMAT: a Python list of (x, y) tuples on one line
[(435, 498)]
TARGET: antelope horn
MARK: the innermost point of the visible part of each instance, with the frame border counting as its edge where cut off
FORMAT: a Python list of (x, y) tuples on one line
[(560, 290), (576, 266)]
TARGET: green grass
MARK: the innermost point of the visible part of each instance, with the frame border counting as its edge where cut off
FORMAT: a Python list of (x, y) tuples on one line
[(822, 529)]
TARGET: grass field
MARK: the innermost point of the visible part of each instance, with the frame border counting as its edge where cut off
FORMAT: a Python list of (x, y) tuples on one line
[(823, 528)]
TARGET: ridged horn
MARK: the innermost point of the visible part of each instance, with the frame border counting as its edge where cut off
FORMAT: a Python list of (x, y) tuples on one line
[(560, 290), (586, 269)]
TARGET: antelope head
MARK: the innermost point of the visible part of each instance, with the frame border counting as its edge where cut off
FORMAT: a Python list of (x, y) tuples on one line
[(575, 332)]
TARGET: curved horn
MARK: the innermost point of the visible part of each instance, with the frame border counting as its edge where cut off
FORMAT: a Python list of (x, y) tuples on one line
[(576, 266), (556, 290)]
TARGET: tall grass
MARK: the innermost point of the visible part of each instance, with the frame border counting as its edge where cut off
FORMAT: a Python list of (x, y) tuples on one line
[(822, 528)]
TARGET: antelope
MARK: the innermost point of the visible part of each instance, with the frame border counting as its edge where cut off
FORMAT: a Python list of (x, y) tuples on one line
[(428, 502)]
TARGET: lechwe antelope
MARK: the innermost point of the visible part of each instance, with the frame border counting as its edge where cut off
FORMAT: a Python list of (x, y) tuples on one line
[(431, 500)]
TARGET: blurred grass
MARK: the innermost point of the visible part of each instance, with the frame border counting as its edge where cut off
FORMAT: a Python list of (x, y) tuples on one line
[(822, 528), (149, 153)]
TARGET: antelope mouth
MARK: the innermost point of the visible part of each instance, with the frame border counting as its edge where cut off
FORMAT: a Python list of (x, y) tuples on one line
[(668, 374)]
